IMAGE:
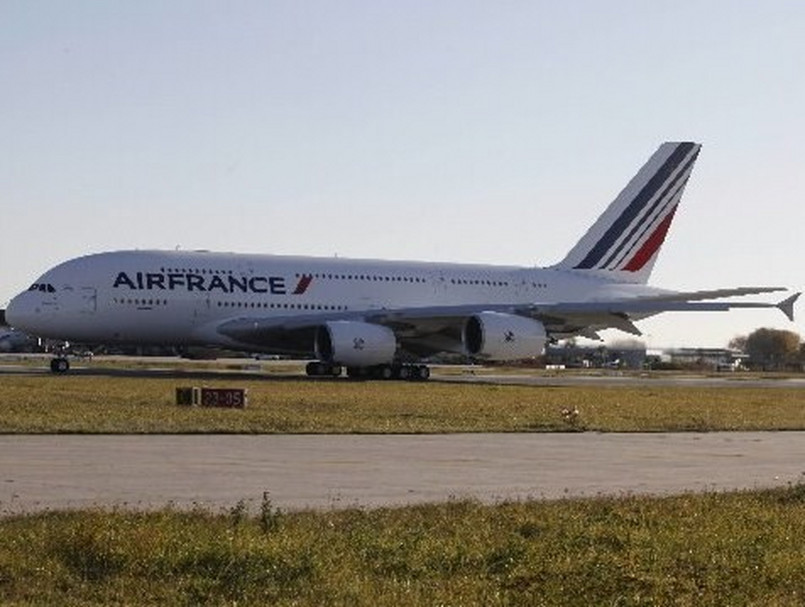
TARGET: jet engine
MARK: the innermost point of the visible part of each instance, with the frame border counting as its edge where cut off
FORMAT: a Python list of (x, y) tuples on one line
[(355, 344), (498, 336)]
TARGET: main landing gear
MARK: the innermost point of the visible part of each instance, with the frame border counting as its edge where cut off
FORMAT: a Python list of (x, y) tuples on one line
[(321, 369), (394, 371)]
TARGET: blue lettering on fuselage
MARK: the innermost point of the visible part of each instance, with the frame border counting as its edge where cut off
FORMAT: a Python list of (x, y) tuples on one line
[(123, 280), (177, 281)]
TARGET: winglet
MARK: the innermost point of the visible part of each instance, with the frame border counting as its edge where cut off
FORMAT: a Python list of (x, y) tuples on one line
[(787, 306)]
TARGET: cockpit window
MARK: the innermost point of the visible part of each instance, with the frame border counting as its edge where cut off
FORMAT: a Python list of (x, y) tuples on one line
[(43, 287)]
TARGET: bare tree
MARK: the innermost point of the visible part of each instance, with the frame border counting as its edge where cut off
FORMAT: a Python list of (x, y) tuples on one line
[(772, 349), (738, 343)]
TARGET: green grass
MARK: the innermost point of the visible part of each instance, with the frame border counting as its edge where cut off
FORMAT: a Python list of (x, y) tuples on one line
[(743, 548), (108, 404)]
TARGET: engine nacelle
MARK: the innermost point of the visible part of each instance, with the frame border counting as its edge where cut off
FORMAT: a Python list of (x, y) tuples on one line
[(355, 344), (498, 336)]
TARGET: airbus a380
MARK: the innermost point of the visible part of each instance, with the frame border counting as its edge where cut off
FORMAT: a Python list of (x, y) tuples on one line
[(380, 318)]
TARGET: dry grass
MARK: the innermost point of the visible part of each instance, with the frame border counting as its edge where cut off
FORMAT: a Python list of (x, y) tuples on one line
[(126, 404), (740, 548)]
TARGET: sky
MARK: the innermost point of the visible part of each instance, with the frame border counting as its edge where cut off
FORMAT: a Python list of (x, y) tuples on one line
[(454, 130)]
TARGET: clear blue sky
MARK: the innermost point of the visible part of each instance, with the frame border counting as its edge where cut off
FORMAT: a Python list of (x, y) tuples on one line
[(451, 130)]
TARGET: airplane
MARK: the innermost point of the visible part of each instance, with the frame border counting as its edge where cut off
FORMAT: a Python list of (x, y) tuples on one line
[(381, 318)]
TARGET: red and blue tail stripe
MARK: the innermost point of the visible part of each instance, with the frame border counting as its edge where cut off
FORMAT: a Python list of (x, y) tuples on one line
[(627, 237)]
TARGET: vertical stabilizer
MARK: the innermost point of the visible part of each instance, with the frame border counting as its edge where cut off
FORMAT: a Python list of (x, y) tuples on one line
[(625, 241)]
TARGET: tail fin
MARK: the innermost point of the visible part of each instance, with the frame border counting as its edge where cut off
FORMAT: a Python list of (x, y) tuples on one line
[(625, 241)]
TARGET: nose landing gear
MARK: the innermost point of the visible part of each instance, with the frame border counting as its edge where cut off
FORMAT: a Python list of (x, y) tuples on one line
[(60, 364)]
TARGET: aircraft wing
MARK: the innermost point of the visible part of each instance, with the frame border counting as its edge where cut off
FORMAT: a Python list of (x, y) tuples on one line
[(668, 302), (713, 294), (432, 329), (565, 319), (587, 318)]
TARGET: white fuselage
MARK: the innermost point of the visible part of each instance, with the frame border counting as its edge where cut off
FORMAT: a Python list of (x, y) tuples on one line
[(178, 298)]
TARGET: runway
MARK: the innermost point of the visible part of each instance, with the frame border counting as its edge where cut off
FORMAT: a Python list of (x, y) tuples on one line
[(336, 471)]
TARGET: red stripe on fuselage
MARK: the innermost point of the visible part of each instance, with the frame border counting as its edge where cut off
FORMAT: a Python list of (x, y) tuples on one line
[(303, 284), (651, 246)]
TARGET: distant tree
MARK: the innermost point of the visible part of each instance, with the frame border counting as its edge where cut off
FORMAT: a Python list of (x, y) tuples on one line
[(772, 349), (738, 343), (629, 353), (627, 344)]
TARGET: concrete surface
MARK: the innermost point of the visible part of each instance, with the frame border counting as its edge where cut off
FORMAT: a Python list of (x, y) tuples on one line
[(301, 471)]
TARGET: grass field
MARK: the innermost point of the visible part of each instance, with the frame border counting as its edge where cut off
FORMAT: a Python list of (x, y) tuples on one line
[(741, 548), (127, 404)]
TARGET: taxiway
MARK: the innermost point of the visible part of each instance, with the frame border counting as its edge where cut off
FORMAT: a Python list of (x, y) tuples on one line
[(332, 471)]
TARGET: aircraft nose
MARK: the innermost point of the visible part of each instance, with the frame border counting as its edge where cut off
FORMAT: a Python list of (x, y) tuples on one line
[(19, 311)]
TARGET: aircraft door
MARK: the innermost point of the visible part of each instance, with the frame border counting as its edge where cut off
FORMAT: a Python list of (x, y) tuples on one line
[(202, 310), (441, 293)]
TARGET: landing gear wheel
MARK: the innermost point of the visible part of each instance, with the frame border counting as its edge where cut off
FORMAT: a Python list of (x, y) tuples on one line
[(381, 372), (59, 365), (317, 368), (394, 371), (312, 368)]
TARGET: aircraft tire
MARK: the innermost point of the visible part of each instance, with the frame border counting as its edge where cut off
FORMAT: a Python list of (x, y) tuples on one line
[(383, 372), (59, 365), (317, 368)]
